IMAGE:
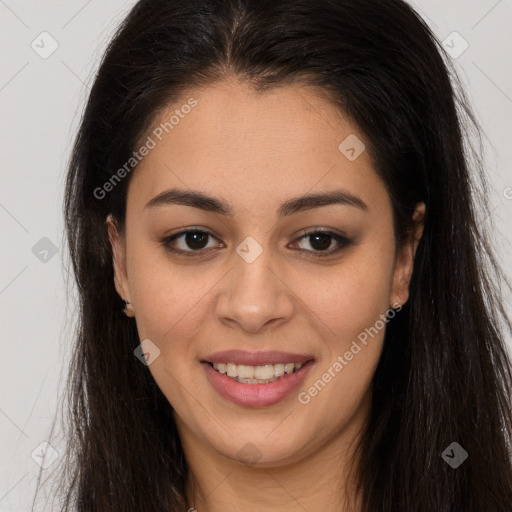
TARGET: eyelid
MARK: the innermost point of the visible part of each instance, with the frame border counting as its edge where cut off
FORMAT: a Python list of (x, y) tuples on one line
[(342, 240), (166, 241)]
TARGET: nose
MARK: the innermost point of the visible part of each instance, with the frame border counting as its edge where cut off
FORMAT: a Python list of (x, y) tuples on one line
[(255, 295)]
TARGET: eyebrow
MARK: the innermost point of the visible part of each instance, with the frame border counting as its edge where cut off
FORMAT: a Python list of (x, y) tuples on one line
[(204, 202)]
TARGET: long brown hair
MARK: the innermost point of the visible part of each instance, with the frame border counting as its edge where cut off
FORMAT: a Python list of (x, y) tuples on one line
[(444, 375)]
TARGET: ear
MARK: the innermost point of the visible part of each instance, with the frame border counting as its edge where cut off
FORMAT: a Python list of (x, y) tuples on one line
[(405, 259), (119, 263)]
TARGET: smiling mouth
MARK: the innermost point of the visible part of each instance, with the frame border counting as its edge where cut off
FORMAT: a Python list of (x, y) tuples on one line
[(263, 374)]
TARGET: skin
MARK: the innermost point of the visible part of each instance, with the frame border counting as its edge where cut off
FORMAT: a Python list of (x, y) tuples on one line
[(256, 151)]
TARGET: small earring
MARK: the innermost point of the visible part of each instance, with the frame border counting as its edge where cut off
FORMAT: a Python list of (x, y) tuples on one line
[(127, 306)]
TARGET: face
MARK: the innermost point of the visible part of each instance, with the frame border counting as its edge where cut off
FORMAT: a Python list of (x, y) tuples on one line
[(258, 271)]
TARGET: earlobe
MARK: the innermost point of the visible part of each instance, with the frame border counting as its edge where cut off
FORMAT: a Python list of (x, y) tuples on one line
[(119, 265), (128, 308), (405, 259)]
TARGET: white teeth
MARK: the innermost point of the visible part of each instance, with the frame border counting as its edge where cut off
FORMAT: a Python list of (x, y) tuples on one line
[(288, 368), (246, 372), (256, 374), (278, 369), (255, 381), (263, 372), (232, 370)]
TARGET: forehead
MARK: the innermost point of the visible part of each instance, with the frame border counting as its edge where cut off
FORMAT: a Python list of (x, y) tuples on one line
[(237, 141)]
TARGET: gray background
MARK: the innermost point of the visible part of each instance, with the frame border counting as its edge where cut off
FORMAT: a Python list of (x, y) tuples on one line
[(41, 101)]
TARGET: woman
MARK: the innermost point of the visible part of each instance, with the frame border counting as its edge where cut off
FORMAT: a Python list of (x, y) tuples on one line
[(278, 194)]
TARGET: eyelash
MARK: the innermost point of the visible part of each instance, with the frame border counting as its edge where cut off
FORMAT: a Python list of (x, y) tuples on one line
[(342, 241)]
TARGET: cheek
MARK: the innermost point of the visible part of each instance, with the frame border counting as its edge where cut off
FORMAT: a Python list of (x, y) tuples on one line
[(351, 297), (170, 312), (168, 300), (354, 306)]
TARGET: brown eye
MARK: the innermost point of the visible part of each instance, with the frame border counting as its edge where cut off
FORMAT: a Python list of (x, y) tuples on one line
[(187, 241), (196, 239), (321, 242)]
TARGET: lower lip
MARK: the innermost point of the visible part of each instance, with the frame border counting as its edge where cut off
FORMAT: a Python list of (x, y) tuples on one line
[(255, 395)]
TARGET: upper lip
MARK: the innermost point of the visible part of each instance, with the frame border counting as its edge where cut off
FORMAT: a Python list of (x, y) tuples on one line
[(249, 358)]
